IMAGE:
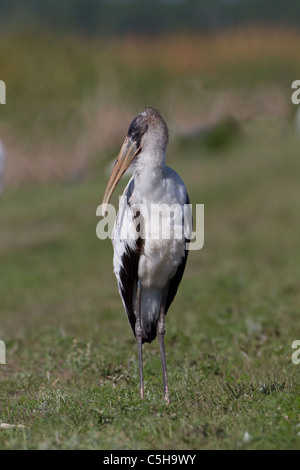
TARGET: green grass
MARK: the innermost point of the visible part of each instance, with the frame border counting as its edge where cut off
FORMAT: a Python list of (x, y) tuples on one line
[(71, 376)]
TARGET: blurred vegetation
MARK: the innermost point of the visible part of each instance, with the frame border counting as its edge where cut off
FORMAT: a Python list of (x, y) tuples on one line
[(70, 97), (117, 17)]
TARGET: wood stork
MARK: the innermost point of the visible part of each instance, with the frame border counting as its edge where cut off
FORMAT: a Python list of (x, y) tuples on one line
[(148, 267)]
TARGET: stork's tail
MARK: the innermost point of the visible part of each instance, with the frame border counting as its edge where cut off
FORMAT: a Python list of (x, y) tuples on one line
[(150, 307)]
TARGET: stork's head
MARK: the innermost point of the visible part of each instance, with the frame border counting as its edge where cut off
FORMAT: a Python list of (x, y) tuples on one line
[(148, 132)]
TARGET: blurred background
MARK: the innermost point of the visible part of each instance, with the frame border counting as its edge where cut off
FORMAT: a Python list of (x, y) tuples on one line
[(77, 71), (220, 72)]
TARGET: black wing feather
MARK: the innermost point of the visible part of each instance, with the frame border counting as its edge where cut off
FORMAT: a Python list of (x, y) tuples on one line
[(175, 281), (129, 278)]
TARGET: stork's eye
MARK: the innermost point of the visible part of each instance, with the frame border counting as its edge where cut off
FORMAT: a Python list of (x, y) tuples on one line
[(137, 129)]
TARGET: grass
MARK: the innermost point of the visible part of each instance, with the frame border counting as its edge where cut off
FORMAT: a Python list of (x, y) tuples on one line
[(71, 375), (71, 378)]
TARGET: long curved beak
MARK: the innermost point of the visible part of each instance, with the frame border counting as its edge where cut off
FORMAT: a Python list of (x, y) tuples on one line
[(127, 153)]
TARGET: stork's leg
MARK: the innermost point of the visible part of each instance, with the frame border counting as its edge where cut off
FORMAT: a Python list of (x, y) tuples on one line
[(139, 334), (160, 335)]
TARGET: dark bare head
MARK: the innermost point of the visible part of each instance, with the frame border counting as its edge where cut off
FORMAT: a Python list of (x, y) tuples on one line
[(149, 130), (147, 134)]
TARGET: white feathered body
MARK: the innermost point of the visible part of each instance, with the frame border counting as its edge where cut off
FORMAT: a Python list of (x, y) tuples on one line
[(163, 245)]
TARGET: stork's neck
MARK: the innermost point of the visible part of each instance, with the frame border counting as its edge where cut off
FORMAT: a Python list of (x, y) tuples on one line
[(149, 167)]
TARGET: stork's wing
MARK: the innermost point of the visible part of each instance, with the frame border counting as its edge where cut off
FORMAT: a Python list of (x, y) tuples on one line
[(126, 256), (128, 278), (175, 280)]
